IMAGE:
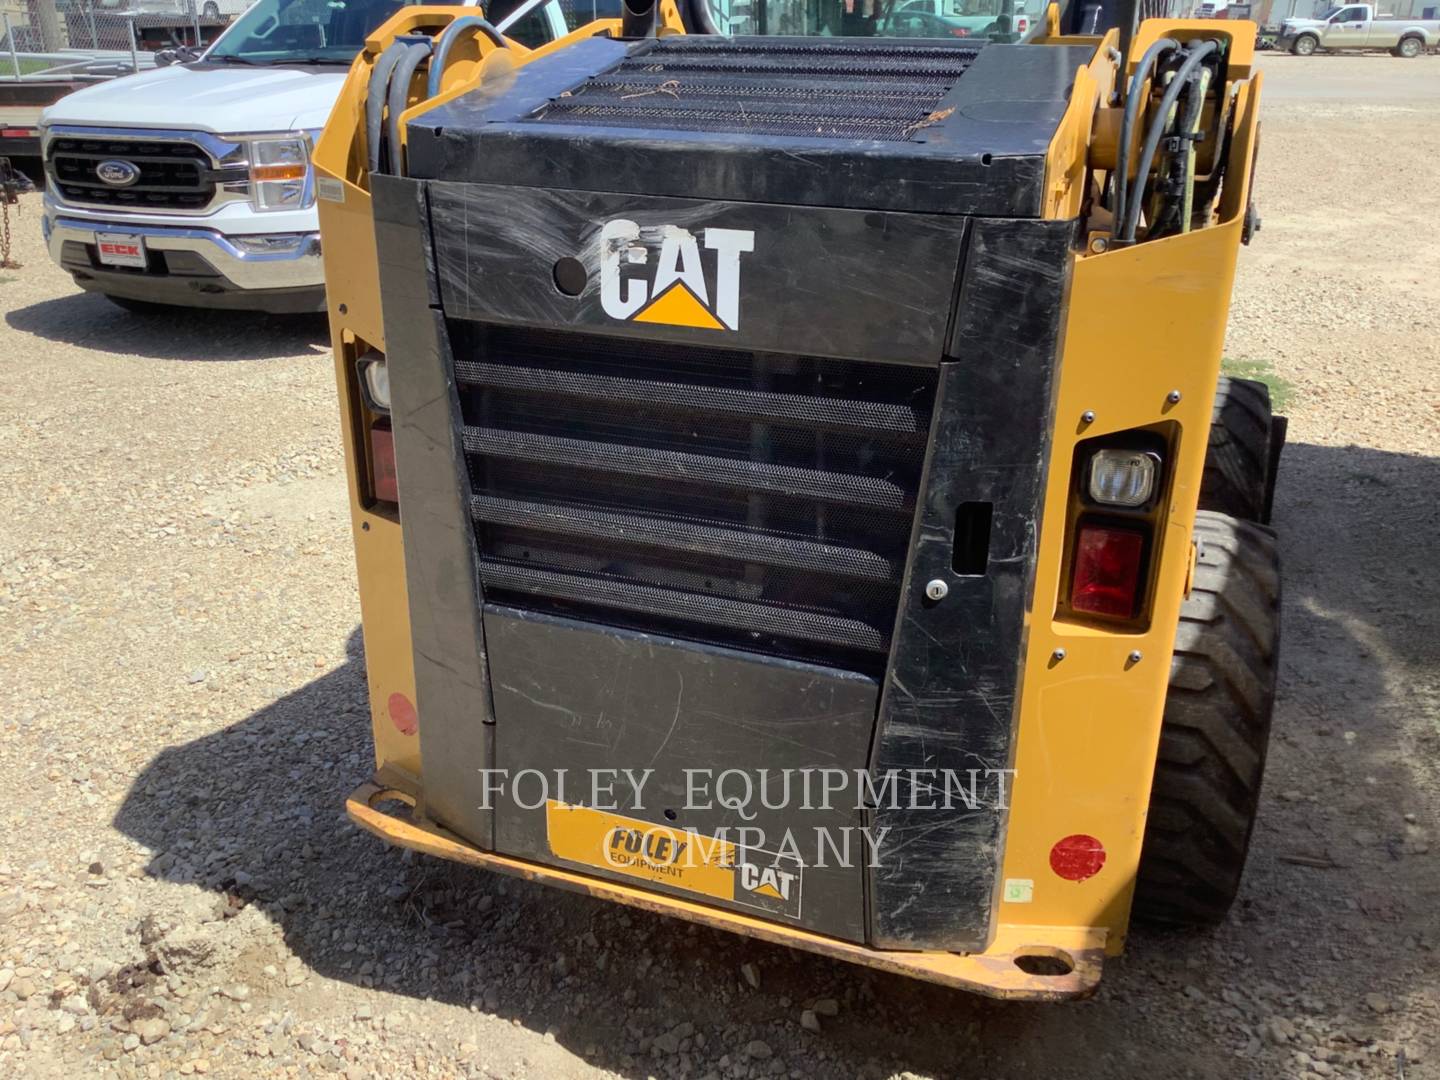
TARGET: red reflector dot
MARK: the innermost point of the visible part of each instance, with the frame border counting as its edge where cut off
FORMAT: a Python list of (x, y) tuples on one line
[(1077, 857), (402, 712)]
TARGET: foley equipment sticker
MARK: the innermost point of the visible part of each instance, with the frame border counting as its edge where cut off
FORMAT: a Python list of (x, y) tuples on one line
[(712, 866)]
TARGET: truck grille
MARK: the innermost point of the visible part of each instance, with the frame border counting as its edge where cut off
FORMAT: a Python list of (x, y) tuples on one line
[(172, 175), (808, 89), (759, 501)]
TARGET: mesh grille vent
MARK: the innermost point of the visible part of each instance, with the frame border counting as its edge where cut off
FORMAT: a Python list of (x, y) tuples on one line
[(802, 88), (759, 501)]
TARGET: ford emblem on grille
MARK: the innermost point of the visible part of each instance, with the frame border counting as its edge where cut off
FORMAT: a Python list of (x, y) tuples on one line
[(118, 173)]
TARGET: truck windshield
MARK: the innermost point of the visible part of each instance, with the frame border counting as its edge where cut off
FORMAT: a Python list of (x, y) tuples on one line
[(302, 31), (982, 20)]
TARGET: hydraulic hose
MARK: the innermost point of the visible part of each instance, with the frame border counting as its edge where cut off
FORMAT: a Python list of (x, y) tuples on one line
[(1195, 106), (1173, 213), (446, 41), (375, 102), (1195, 54), (414, 55), (1127, 124)]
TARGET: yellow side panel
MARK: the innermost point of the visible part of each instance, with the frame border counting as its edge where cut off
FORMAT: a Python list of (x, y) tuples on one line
[(350, 272), (1144, 324), (352, 287)]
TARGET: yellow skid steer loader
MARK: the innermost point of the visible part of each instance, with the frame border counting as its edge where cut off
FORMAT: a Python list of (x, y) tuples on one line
[(793, 489)]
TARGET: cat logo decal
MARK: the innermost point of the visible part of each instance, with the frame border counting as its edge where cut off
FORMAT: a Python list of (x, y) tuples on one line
[(669, 275)]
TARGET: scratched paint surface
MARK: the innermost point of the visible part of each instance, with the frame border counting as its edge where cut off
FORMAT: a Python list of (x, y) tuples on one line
[(826, 282), (953, 683), (582, 697)]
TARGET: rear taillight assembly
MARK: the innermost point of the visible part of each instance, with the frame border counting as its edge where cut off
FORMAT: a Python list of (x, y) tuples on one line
[(1106, 574), (1116, 511), (959, 31), (382, 461), (374, 431)]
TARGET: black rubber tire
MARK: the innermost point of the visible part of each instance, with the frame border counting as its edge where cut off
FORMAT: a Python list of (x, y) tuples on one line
[(211, 11), (1244, 451), (1216, 729), (1308, 49)]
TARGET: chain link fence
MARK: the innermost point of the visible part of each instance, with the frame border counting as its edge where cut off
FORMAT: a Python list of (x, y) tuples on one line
[(45, 40)]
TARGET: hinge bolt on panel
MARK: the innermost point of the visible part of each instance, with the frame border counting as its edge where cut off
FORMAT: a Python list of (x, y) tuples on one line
[(936, 589), (1136, 656), (1173, 397), (1088, 416), (1058, 655)]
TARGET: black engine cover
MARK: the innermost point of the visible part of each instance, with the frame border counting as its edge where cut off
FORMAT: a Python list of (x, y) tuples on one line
[(698, 348)]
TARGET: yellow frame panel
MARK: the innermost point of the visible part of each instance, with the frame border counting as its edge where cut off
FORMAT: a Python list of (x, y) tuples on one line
[(1090, 724)]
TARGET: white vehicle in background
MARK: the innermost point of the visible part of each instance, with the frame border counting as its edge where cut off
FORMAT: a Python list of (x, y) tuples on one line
[(121, 7), (191, 184), (207, 9), (1357, 26), (216, 9), (978, 17)]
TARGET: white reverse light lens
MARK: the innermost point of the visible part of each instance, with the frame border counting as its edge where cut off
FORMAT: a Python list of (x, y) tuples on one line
[(1122, 477), (377, 383)]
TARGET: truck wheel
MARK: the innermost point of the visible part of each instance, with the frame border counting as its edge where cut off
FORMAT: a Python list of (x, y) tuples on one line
[(1216, 728), (1305, 44), (1244, 451), (1409, 48)]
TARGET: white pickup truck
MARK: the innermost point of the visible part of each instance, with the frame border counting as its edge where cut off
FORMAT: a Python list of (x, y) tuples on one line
[(191, 184), (1357, 26)]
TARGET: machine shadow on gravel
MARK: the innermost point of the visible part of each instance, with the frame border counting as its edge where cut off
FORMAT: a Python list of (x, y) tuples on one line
[(256, 811), (88, 321)]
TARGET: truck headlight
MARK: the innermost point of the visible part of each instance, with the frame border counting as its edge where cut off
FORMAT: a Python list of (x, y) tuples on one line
[(280, 173)]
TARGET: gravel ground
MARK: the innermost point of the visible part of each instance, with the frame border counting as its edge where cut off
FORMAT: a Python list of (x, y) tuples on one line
[(183, 711)]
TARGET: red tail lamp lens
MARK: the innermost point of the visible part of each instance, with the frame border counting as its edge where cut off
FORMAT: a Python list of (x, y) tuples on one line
[(382, 456), (1107, 571)]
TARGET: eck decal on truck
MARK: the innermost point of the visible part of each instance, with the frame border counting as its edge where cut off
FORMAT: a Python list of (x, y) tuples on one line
[(684, 289)]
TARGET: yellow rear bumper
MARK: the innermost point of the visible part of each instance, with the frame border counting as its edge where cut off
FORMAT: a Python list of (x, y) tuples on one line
[(997, 972)]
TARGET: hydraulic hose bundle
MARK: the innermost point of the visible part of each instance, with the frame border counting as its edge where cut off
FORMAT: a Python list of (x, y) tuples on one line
[(1190, 74), (388, 93)]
